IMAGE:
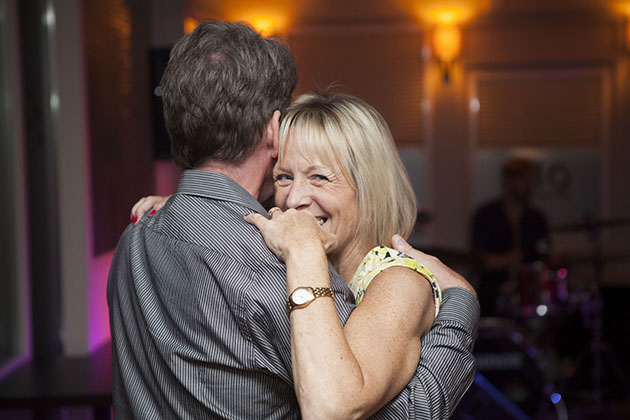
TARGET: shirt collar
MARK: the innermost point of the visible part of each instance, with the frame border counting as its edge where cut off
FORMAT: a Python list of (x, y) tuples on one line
[(216, 186)]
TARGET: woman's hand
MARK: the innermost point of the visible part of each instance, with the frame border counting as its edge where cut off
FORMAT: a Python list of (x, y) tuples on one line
[(144, 204), (292, 230)]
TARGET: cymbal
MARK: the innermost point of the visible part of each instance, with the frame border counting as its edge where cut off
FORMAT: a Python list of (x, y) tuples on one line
[(591, 224), (450, 256), (591, 258)]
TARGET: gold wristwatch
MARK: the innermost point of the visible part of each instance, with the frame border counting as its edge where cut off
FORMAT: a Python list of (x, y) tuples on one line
[(303, 296)]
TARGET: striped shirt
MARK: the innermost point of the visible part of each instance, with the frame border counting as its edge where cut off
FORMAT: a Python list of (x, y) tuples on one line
[(199, 327)]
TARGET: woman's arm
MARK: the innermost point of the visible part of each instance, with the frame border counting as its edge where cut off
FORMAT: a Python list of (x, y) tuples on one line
[(347, 372)]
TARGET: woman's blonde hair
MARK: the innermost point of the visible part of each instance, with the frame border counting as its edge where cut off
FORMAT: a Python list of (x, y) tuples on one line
[(345, 132)]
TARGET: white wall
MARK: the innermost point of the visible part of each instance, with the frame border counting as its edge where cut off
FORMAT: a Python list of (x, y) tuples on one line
[(68, 82)]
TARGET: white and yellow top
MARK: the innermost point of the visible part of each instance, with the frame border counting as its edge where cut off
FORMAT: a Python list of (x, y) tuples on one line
[(382, 257)]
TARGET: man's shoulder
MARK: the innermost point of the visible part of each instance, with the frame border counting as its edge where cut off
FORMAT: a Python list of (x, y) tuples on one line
[(212, 229), (214, 225), (123, 244)]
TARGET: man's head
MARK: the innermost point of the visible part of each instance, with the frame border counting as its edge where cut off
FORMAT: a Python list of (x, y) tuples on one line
[(221, 86), (519, 179)]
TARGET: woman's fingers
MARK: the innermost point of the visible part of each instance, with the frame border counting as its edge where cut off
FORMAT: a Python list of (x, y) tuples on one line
[(133, 216), (136, 205), (256, 220), (145, 204), (273, 232), (160, 203), (289, 230), (140, 209)]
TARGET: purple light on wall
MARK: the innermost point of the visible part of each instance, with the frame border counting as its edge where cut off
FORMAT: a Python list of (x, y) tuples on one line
[(98, 333)]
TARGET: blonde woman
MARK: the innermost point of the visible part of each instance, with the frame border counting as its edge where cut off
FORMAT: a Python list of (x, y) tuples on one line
[(343, 192)]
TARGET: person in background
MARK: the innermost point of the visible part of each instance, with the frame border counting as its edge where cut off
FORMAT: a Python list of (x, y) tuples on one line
[(508, 235)]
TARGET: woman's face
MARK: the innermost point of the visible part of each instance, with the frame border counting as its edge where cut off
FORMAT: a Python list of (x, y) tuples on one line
[(308, 184)]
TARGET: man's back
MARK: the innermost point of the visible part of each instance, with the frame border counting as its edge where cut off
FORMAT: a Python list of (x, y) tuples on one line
[(197, 311)]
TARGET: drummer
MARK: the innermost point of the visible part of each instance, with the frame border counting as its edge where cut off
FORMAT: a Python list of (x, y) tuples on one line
[(508, 234)]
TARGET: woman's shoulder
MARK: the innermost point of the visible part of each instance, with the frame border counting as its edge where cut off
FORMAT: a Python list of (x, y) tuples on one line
[(385, 262)]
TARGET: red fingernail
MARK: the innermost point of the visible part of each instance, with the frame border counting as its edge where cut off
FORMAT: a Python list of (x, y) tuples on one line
[(134, 219), (247, 214), (152, 212)]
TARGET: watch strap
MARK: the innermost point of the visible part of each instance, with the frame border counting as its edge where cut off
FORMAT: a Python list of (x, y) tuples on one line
[(317, 293)]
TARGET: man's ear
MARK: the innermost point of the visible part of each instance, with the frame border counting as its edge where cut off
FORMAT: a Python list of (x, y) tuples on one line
[(272, 131)]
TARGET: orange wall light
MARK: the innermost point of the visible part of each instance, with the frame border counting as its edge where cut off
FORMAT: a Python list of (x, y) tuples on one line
[(266, 25), (268, 21), (446, 15), (623, 8), (448, 12), (446, 37), (447, 42), (190, 24)]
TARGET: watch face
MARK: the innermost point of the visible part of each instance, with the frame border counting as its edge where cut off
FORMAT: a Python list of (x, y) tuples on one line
[(302, 295)]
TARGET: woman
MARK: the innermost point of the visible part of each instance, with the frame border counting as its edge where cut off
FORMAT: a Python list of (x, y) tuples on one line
[(337, 162)]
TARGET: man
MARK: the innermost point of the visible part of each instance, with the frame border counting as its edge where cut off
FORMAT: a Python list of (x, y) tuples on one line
[(197, 301), (508, 235)]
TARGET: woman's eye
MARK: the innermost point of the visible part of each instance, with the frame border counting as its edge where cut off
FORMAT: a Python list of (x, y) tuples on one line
[(320, 177), (282, 178)]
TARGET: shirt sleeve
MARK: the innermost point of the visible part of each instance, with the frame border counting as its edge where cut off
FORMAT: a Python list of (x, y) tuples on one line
[(267, 322), (447, 366)]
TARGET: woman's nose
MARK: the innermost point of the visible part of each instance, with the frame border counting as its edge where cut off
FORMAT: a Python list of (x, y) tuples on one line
[(298, 196)]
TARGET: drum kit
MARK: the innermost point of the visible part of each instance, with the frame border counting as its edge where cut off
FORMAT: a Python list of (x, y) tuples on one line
[(517, 350)]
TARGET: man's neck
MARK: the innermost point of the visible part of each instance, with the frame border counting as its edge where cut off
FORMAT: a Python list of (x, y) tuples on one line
[(255, 173), (251, 180)]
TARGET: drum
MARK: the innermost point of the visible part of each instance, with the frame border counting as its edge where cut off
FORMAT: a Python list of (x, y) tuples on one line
[(514, 368), (541, 290)]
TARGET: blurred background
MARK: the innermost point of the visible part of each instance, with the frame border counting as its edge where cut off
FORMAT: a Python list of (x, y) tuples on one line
[(465, 85)]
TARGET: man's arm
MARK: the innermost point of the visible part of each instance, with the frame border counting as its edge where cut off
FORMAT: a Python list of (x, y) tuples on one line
[(447, 365)]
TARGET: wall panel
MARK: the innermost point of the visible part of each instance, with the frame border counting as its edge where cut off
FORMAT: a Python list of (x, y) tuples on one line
[(117, 39), (383, 67)]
